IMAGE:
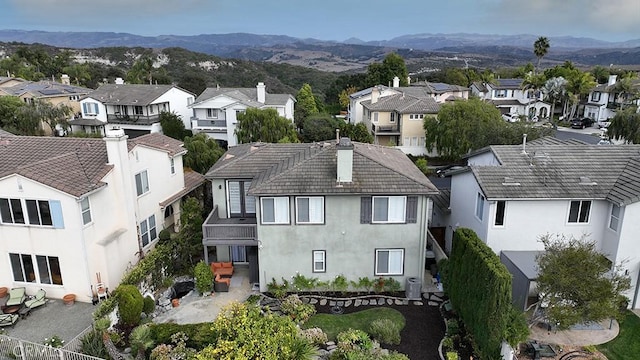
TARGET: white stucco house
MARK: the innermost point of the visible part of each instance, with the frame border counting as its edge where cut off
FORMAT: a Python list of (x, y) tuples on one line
[(510, 98), (134, 108), (72, 208), (605, 99), (215, 111), (510, 195)]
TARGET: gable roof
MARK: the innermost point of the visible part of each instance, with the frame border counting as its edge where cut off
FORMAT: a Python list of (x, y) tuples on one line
[(43, 89), (160, 142), (75, 166), (562, 171), (130, 94), (502, 84), (434, 87), (310, 168), (247, 96), (404, 104)]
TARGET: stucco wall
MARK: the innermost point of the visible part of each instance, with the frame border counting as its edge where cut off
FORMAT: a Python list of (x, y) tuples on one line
[(628, 249), (178, 101)]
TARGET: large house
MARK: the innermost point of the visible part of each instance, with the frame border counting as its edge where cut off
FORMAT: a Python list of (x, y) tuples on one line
[(319, 209), (215, 110), (134, 108), (510, 195), (73, 208), (510, 98), (605, 99)]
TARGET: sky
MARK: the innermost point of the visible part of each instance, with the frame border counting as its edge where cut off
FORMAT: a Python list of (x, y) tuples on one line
[(611, 20)]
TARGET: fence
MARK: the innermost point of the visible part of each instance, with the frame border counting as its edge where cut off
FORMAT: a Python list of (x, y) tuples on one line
[(76, 343), (12, 348)]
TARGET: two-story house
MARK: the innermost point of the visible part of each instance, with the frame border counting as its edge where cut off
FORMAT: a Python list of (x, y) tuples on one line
[(215, 110), (71, 208), (511, 195), (510, 98), (135, 108), (320, 209), (605, 99), (398, 120)]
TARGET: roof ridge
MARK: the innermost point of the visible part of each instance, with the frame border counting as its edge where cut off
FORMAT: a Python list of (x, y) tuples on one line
[(296, 165), (241, 156)]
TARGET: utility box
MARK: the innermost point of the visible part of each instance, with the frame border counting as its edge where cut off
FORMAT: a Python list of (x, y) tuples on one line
[(413, 289)]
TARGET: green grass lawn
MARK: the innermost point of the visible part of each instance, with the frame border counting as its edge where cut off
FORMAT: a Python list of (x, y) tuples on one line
[(626, 346), (332, 325)]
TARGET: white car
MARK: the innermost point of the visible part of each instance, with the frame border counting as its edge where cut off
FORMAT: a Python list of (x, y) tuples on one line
[(511, 117), (604, 124)]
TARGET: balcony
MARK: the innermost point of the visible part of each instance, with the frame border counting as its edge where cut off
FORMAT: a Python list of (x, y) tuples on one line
[(204, 124), (133, 119), (385, 129), (228, 231)]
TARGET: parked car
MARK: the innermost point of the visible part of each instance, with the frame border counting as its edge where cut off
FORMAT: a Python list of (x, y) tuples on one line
[(604, 124), (581, 123), (511, 117)]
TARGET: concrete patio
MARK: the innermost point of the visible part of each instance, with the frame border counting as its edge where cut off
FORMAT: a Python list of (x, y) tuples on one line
[(609, 330)]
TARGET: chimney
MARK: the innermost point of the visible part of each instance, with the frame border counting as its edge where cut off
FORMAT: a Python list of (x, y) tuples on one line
[(344, 150), (117, 151), (119, 81), (612, 80), (396, 82), (262, 92), (64, 79), (375, 94)]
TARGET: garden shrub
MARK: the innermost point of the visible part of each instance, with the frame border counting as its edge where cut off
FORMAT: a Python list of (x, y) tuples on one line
[(177, 349), (148, 305), (340, 283), (378, 284), (92, 344), (301, 282), (164, 235), (278, 291), (452, 355), (105, 307), (198, 335), (453, 327), (296, 309), (130, 304), (203, 277), (354, 340), (392, 285), (315, 335), (385, 331)]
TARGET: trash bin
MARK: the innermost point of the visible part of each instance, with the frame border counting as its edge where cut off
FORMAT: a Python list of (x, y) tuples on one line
[(413, 289)]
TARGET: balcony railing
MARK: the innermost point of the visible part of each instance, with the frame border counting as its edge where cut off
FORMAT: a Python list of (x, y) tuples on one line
[(203, 123), (118, 118), (228, 231), (385, 129)]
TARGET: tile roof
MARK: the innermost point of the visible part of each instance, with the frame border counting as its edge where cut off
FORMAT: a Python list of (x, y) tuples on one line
[(159, 142), (310, 168), (248, 96), (404, 104), (480, 86), (562, 171), (507, 84), (129, 94), (46, 89), (4, 133), (435, 87)]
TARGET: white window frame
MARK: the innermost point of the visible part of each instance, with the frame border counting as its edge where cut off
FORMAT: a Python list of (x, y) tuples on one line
[(212, 113), (614, 219), (581, 204), (501, 93), (91, 108), (319, 257), (392, 117), (504, 214), (480, 200), (278, 206), (85, 210), (314, 220), (172, 166), (148, 231), (375, 117), (596, 96), (390, 200), (13, 205), (138, 110), (389, 270), (36, 269), (50, 280), (144, 183)]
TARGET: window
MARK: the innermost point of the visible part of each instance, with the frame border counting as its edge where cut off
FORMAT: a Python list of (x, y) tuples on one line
[(142, 183), (389, 209), (173, 166), (393, 117), (615, 217), (86, 211), (148, 231), (319, 261), (22, 267), (389, 261), (212, 113), (310, 210), (47, 272), (375, 117), (90, 108), (422, 141), (501, 93), (39, 213), (595, 96), (579, 211), (414, 141), (11, 211), (366, 211), (137, 110), (275, 210), (479, 206), (500, 208)]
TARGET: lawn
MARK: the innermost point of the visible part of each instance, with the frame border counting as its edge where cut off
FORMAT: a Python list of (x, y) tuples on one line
[(626, 346), (332, 324)]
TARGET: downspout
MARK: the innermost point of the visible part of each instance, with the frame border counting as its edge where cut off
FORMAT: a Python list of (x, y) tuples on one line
[(84, 251), (423, 237)]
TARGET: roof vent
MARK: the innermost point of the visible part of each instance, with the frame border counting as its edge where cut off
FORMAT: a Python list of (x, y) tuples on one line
[(584, 180), (509, 181)]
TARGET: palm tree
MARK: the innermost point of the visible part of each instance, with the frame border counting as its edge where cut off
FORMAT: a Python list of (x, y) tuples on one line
[(579, 85), (554, 89), (540, 48)]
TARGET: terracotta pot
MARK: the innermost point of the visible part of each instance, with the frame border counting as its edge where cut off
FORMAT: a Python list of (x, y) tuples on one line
[(175, 302), (69, 299), (3, 291)]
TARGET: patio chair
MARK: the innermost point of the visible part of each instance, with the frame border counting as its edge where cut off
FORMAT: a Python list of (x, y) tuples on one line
[(221, 284), (38, 300), (8, 319), (16, 296)]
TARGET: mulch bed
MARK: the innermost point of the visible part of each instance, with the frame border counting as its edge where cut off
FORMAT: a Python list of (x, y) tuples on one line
[(422, 333)]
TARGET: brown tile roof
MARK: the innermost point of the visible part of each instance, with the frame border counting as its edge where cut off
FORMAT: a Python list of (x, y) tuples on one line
[(192, 180), (159, 142), (129, 94), (405, 104), (310, 168), (247, 96)]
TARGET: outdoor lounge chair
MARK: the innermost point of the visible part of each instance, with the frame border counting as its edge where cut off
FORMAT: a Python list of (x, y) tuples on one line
[(8, 319), (16, 296), (38, 300), (221, 284)]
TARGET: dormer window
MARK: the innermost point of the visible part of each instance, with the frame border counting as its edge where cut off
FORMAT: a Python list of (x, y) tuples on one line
[(595, 96)]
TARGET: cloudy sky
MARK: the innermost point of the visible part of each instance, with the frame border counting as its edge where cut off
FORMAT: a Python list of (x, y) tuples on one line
[(613, 20)]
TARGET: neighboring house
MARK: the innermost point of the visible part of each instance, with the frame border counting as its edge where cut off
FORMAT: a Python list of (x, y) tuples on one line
[(440, 92), (52, 92), (71, 208), (510, 98), (510, 195), (398, 120), (134, 108), (319, 209), (10, 81), (605, 99), (215, 110)]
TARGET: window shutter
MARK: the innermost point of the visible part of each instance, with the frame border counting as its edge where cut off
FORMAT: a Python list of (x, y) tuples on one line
[(412, 209), (365, 210), (56, 214)]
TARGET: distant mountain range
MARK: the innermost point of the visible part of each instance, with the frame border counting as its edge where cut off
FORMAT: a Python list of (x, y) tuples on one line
[(354, 54)]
